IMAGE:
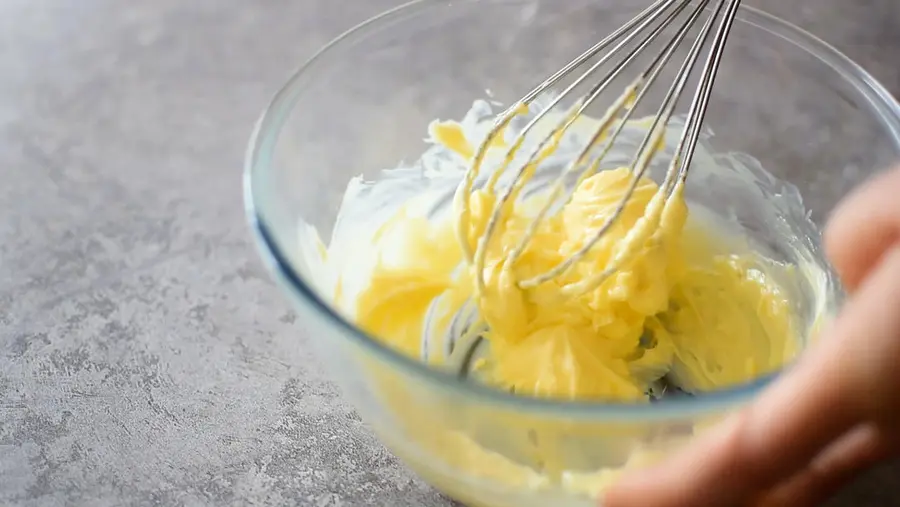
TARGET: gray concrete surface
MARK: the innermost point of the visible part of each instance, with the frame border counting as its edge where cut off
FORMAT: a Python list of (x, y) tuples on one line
[(145, 357)]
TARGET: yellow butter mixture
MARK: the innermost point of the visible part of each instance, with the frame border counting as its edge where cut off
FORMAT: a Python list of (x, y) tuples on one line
[(663, 294)]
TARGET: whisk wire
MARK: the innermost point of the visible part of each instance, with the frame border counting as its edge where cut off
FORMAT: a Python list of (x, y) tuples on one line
[(697, 112), (643, 83), (549, 142), (642, 31), (642, 20), (655, 9), (645, 153)]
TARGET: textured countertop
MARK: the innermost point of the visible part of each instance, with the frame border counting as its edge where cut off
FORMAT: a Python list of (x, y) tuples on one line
[(145, 356)]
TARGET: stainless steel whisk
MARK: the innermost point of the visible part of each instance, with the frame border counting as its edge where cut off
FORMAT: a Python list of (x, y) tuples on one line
[(631, 40)]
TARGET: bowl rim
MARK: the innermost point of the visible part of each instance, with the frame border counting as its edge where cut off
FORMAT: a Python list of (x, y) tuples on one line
[(258, 158)]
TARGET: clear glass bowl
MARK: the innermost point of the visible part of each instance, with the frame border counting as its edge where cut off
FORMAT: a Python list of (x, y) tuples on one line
[(809, 115)]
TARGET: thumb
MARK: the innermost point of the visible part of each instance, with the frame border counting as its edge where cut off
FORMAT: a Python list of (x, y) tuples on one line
[(863, 227), (845, 380)]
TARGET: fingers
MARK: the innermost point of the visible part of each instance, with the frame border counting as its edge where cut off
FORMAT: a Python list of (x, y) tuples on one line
[(866, 340), (857, 451), (863, 226), (749, 453), (847, 379)]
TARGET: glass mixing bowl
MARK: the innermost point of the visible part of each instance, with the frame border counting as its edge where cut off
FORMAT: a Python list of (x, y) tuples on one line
[(809, 115)]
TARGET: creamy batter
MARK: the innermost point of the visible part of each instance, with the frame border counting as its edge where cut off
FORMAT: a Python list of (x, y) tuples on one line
[(679, 304), (687, 302)]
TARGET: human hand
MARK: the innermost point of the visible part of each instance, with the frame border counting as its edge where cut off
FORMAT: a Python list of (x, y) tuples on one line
[(833, 414)]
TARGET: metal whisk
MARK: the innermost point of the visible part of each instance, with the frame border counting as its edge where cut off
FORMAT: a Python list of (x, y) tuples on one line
[(631, 40)]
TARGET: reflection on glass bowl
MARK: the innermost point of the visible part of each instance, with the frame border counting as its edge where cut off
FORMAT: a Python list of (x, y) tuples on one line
[(362, 105)]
